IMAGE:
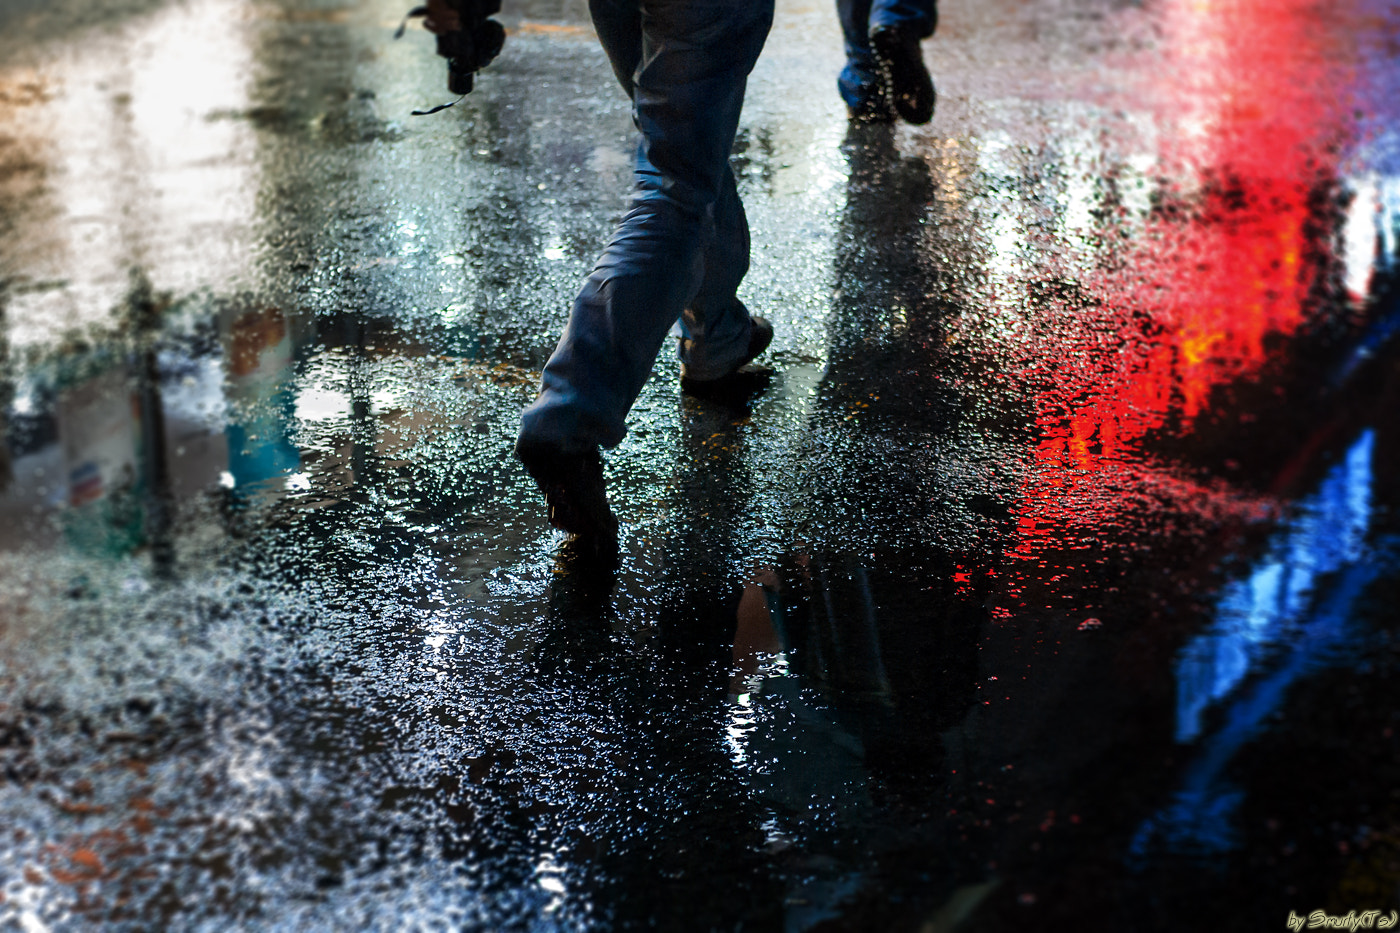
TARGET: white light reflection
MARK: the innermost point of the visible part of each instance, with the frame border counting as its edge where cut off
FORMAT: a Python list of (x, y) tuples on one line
[(142, 168), (1388, 220), (549, 876), (1359, 236), (320, 403), (739, 729), (1005, 230)]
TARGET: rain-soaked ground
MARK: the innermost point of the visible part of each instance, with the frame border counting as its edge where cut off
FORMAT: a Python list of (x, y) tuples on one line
[(1051, 583)]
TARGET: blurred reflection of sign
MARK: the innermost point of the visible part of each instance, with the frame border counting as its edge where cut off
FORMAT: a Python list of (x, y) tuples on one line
[(1255, 613), (98, 428), (259, 361), (99, 431)]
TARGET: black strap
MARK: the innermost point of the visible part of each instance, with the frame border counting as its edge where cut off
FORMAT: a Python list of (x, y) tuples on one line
[(424, 113)]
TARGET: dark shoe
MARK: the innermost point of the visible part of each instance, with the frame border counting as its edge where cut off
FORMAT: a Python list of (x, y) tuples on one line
[(760, 336), (736, 391), (572, 483), (875, 108), (902, 59)]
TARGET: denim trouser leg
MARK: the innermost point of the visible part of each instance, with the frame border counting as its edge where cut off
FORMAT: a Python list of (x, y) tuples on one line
[(861, 75), (685, 63), (715, 325)]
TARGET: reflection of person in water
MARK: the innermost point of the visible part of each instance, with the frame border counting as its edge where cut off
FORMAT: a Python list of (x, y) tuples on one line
[(854, 653), (843, 681), (827, 621), (830, 629)]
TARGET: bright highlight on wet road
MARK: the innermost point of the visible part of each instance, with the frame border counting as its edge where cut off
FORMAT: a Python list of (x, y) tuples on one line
[(1048, 581)]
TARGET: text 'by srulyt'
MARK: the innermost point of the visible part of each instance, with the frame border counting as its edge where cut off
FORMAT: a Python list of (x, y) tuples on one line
[(1354, 920)]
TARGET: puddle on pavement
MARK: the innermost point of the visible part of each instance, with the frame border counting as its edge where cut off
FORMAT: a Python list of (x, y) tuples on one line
[(1051, 576)]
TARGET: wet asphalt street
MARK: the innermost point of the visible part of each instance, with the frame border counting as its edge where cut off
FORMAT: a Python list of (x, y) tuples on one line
[(1050, 584)]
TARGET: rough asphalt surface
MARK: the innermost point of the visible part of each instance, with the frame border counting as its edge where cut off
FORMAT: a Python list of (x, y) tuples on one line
[(1050, 583)]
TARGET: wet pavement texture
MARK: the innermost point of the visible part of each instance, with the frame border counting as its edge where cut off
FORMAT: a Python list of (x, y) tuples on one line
[(1051, 582)]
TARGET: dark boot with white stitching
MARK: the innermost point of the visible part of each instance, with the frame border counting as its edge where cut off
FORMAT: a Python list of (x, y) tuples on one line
[(902, 59)]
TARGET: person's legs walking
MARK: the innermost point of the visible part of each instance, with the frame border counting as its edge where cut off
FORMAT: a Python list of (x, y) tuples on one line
[(687, 78), (618, 24), (716, 329)]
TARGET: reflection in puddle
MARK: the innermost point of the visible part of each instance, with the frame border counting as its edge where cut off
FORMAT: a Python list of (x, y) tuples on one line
[(1037, 367), (1294, 614), (135, 173), (1225, 260), (1257, 613), (261, 399)]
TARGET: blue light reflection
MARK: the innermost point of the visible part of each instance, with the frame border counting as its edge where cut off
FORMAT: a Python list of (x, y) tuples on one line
[(1287, 619), (1254, 614)]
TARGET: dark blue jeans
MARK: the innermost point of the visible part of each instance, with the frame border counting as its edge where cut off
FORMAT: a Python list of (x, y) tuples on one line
[(683, 246), (861, 77)]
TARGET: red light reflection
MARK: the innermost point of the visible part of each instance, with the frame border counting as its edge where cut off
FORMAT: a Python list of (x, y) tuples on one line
[(1225, 262)]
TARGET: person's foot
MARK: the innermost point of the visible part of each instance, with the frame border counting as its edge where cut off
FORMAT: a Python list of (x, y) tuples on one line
[(573, 487), (902, 59), (874, 107), (760, 336)]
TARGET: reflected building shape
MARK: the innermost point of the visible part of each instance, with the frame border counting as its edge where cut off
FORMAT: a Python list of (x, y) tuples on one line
[(109, 442), (130, 156), (97, 449), (99, 429)]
